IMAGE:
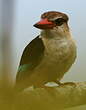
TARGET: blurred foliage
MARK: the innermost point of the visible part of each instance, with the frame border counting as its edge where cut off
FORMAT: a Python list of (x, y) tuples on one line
[(67, 97), (82, 107)]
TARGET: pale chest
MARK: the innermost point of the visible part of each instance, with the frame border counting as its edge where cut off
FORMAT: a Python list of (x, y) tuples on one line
[(58, 57), (59, 51)]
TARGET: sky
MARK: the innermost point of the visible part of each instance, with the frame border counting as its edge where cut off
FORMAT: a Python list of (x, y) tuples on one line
[(27, 13)]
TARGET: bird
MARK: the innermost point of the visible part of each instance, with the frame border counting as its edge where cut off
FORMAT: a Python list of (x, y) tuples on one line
[(48, 56)]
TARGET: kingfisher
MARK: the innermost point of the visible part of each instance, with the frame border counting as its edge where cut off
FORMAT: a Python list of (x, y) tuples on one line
[(50, 55)]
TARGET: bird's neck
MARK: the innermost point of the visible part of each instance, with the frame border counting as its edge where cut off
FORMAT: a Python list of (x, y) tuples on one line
[(51, 34)]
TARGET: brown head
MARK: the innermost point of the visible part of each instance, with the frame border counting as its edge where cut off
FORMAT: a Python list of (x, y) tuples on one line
[(51, 19), (53, 23)]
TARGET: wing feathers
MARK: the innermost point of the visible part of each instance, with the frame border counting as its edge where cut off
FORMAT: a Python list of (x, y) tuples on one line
[(31, 57)]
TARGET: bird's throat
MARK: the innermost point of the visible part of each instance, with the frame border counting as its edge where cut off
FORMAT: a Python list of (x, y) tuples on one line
[(54, 34)]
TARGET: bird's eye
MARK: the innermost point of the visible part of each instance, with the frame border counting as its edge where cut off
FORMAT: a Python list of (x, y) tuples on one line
[(59, 21)]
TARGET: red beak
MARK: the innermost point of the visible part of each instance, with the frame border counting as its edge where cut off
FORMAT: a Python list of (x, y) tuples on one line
[(44, 24)]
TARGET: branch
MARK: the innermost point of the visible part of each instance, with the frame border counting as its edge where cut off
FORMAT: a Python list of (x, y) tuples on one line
[(52, 98)]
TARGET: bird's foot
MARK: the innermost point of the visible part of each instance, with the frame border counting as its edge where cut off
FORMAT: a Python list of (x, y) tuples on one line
[(59, 83), (66, 83), (69, 83)]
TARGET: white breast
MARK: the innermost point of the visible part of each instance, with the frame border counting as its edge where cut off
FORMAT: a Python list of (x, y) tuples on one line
[(59, 50), (59, 55)]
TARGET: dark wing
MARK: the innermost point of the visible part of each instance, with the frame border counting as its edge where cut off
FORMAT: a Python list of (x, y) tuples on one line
[(31, 57)]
